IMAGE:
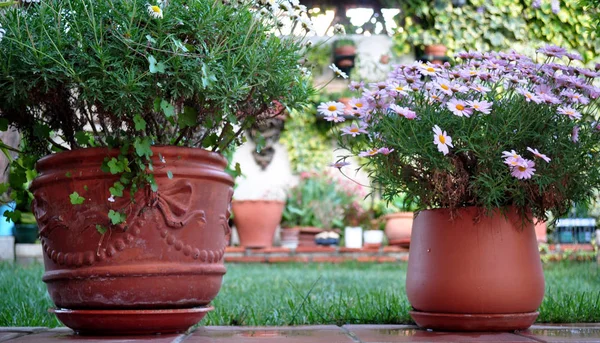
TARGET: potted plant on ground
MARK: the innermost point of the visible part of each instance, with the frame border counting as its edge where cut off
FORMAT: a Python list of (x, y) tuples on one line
[(483, 147), (134, 103), (256, 220), (316, 203)]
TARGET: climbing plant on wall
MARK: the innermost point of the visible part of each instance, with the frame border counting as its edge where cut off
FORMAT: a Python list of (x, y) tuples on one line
[(497, 25)]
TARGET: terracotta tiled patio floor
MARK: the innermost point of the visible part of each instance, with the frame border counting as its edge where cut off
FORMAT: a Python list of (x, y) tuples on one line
[(317, 334)]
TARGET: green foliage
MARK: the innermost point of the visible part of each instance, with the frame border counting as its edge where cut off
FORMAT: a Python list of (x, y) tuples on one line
[(496, 25), (319, 200), (309, 148), (76, 199), (340, 42), (474, 171)]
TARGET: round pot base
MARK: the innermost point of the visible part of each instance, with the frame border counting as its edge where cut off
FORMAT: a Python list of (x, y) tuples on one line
[(130, 322), (473, 322)]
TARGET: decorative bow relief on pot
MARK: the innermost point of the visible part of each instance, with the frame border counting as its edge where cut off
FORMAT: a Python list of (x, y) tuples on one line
[(174, 204)]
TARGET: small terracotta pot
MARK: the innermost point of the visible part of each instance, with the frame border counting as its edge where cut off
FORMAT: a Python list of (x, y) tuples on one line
[(437, 50), (169, 253), (398, 227), (290, 237), (307, 236), (346, 51), (256, 221), (372, 238), (474, 275)]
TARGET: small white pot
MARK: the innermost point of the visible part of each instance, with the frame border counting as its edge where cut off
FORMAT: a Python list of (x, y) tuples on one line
[(373, 236), (353, 237)]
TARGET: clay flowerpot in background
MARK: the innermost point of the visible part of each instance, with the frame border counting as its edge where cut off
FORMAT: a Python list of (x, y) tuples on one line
[(307, 236), (256, 221), (155, 274), (290, 237), (468, 275), (398, 227)]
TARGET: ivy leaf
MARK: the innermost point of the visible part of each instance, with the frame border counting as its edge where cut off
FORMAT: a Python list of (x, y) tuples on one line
[(115, 166), (167, 108), (41, 130), (101, 229), (169, 174), (142, 146), (116, 218), (76, 199), (188, 118), (140, 123), (14, 216), (152, 183), (82, 138), (117, 189), (3, 124)]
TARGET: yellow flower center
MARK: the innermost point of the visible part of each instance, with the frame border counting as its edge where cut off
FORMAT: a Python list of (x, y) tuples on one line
[(529, 95), (430, 69), (155, 9), (460, 107), (442, 139), (358, 104), (332, 108), (354, 129), (476, 106), (400, 88), (522, 169), (373, 152), (444, 87)]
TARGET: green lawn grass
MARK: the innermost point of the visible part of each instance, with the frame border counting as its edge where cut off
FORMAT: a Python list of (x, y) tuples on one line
[(295, 294)]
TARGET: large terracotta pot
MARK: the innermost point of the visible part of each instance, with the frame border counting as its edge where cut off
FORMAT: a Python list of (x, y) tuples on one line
[(473, 275), (398, 227), (256, 221), (168, 255)]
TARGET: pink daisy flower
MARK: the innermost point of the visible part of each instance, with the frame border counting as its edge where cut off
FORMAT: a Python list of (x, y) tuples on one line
[(331, 108), (538, 154), (575, 134), (385, 151), (529, 96), (570, 112), (354, 130), (403, 111), (369, 153), (553, 51), (339, 164), (512, 158), (444, 86), (459, 108), (481, 106), (524, 170)]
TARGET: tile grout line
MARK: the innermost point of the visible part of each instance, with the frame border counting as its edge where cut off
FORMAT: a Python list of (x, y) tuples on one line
[(182, 338), (532, 338), (351, 335), (19, 335)]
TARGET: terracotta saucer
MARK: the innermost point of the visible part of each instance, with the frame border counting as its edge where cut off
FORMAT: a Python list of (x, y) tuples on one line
[(404, 243), (130, 322), (474, 322)]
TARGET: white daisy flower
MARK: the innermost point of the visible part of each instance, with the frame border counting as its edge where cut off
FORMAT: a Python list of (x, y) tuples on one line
[(442, 140), (155, 11), (331, 108), (338, 72)]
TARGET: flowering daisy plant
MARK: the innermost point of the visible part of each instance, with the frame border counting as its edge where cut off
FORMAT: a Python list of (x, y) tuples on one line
[(493, 130), (131, 74)]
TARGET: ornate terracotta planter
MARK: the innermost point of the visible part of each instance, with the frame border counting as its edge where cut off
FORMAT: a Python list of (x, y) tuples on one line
[(256, 221), (398, 227), (168, 256), (474, 276), (290, 237)]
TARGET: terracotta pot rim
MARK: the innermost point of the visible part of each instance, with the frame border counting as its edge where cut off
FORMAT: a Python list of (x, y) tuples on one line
[(467, 209), (89, 160), (399, 215), (200, 153), (133, 312), (257, 201)]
